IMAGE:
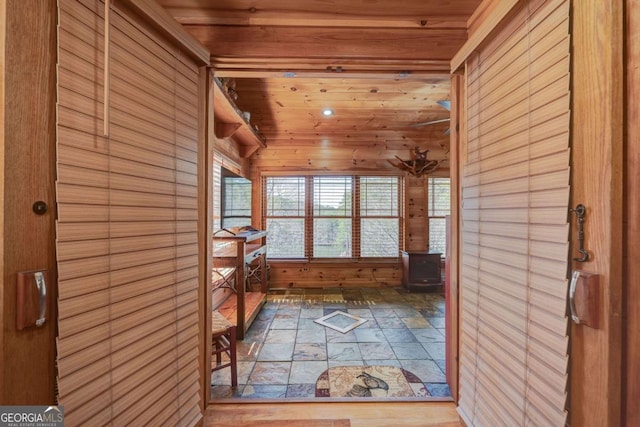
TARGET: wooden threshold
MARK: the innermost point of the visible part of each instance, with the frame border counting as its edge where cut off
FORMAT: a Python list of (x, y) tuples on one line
[(289, 423), (361, 414)]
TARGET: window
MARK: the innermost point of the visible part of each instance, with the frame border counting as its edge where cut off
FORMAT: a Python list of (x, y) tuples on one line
[(379, 221), (343, 216), (332, 216), (236, 201), (284, 205), (439, 207)]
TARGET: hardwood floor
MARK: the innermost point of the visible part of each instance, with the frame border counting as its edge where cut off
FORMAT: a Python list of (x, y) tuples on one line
[(365, 414)]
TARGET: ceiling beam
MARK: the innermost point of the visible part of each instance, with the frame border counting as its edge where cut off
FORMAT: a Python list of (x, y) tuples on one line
[(191, 16), (338, 43), (319, 74), (332, 67)]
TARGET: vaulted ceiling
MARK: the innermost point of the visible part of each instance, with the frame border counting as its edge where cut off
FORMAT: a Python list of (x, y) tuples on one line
[(381, 66)]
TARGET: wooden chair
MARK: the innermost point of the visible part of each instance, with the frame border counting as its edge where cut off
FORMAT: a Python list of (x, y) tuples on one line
[(223, 340)]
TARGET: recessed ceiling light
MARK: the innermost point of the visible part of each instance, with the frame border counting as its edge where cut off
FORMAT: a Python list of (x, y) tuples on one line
[(327, 112)]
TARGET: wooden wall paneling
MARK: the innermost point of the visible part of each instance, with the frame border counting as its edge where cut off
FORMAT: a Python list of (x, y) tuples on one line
[(337, 165), (311, 275), (416, 218), (355, 156), (27, 169), (597, 180), (631, 318)]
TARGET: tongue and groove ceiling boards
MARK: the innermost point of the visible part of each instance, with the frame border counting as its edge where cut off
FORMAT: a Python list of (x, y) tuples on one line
[(380, 66)]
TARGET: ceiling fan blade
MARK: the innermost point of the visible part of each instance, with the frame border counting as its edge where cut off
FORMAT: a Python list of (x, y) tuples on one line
[(445, 104), (432, 122)]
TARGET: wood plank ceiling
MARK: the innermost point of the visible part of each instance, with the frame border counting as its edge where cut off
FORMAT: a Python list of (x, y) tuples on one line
[(381, 66)]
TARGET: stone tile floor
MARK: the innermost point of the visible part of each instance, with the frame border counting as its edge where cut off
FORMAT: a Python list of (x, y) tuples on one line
[(284, 350)]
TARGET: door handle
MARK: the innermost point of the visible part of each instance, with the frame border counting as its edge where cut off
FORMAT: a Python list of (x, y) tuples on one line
[(572, 297), (42, 291), (31, 299), (584, 297)]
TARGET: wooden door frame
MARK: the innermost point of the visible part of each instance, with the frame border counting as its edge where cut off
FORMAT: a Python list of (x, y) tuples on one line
[(458, 105), (27, 170), (631, 282), (597, 182)]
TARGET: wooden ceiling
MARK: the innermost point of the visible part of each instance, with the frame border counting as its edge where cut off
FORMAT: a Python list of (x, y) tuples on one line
[(380, 65)]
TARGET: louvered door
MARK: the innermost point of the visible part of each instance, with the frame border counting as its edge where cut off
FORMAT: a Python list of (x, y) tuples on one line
[(515, 195), (127, 222)]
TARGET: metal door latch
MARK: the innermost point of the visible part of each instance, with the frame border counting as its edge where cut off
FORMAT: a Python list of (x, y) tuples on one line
[(580, 211)]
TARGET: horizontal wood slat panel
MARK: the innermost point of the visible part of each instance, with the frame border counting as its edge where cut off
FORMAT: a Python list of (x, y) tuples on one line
[(555, 384), (103, 179), (78, 354), (91, 395), (141, 383), (127, 238), (94, 322), (153, 53), (515, 232), (153, 402), (86, 303)]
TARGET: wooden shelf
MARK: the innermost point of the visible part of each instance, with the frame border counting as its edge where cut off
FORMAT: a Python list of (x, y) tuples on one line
[(234, 250), (253, 303), (230, 123), (227, 257)]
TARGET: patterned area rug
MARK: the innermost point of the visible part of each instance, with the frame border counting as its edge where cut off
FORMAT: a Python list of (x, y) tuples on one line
[(369, 381)]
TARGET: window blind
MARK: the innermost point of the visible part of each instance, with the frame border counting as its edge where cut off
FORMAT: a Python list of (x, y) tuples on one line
[(332, 216), (127, 223), (284, 215), (220, 161), (217, 186), (515, 195), (379, 215), (438, 207), (324, 216)]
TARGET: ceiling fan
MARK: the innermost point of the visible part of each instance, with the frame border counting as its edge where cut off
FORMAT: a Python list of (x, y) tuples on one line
[(447, 106)]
